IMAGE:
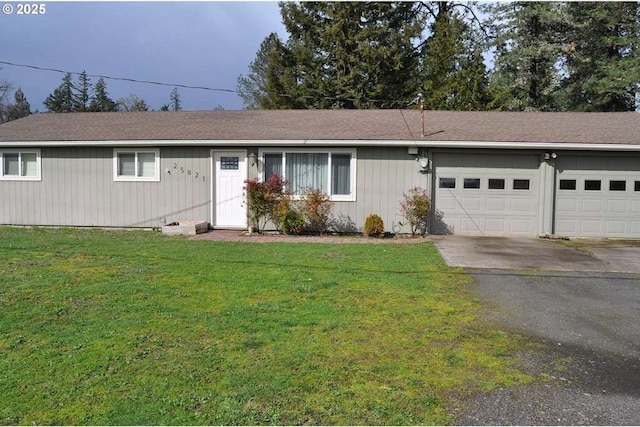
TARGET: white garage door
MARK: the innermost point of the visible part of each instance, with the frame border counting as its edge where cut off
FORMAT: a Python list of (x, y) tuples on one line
[(481, 194), (598, 196)]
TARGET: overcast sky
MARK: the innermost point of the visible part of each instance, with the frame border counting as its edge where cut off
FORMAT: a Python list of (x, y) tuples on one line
[(190, 43)]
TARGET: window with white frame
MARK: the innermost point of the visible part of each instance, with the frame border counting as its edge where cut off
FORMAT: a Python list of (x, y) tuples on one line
[(333, 172), (136, 164), (20, 165)]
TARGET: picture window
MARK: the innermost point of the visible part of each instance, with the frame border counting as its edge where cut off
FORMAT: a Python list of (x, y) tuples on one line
[(330, 172)]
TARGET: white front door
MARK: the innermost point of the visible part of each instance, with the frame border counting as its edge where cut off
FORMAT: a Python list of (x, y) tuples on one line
[(230, 196)]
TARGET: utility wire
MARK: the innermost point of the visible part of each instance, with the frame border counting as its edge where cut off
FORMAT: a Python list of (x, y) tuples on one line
[(400, 103), (124, 79)]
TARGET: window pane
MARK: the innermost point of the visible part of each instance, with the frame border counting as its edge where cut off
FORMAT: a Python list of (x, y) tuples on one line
[(147, 165), (636, 186), (126, 164), (617, 185), (29, 163), (272, 165), (307, 170), (11, 165), (520, 184), (496, 184), (567, 184), (230, 163), (592, 185), (472, 183), (341, 174), (447, 183)]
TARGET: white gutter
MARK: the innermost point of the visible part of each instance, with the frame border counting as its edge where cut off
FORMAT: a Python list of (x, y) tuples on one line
[(571, 146)]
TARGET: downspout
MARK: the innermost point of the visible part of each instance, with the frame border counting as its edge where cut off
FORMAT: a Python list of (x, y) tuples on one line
[(553, 193)]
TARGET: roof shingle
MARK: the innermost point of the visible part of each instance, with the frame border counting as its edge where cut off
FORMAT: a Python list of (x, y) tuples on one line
[(355, 125)]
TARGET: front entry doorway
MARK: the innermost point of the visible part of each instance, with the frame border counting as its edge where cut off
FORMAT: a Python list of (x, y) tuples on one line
[(230, 204)]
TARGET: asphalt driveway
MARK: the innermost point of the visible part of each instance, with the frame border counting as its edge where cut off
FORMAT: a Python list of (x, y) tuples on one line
[(582, 305)]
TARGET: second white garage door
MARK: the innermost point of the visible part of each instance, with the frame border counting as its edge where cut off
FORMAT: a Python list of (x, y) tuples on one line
[(598, 196), (492, 195)]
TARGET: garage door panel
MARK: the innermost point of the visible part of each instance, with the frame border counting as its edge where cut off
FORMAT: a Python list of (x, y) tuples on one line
[(521, 205), (567, 225), (592, 206), (609, 211), (617, 207), (485, 210), (522, 226), (497, 205), (472, 204), (591, 227), (471, 225), (567, 205), (616, 227), (495, 225)]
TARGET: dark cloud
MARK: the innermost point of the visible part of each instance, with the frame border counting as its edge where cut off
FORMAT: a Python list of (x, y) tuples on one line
[(191, 43)]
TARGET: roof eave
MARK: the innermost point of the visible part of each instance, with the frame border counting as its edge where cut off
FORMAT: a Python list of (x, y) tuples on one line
[(511, 145)]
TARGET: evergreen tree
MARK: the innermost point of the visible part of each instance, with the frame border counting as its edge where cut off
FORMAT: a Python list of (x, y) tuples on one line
[(339, 55), (100, 102), (81, 92), (602, 56), (254, 87), (528, 43), (176, 104), (62, 98), (454, 75), (20, 108)]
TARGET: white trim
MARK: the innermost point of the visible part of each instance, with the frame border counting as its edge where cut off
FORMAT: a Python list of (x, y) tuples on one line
[(352, 167), (20, 151), (136, 151), (511, 145)]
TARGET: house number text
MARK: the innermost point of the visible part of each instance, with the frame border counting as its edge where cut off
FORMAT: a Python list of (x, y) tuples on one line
[(189, 172)]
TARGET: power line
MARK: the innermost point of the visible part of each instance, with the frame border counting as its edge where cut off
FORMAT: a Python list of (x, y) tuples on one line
[(124, 79), (401, 103)]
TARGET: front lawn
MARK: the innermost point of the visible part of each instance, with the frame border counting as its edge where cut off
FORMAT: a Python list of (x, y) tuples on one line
[(132, 327)]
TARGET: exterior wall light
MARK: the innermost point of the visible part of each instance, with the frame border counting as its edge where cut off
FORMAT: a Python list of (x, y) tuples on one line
[(253, 159)]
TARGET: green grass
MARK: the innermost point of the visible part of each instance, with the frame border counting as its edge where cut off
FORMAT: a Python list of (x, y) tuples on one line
[(132, 327)]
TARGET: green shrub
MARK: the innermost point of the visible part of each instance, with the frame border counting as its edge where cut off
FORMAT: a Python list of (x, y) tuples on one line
[(292, 222), (415, 208), (373, 226)]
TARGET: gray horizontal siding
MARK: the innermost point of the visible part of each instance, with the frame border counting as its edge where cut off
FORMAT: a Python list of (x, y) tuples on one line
[(77, 189), (383, 175)]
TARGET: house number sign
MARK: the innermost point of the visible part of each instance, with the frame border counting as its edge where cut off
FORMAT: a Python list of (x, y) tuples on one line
[(183, 170)]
